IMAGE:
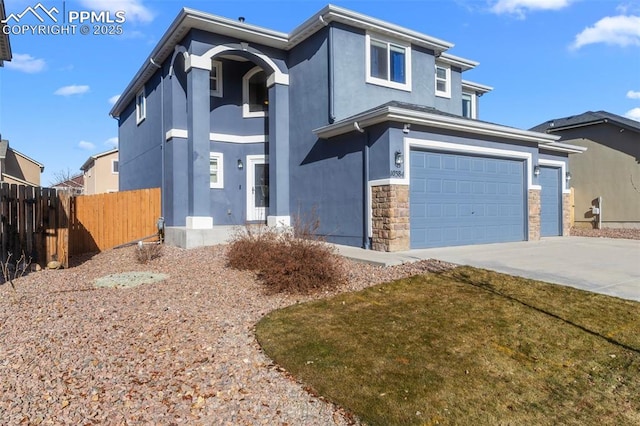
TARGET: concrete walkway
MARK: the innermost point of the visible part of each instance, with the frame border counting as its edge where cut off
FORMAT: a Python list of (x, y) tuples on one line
[(601, 265)]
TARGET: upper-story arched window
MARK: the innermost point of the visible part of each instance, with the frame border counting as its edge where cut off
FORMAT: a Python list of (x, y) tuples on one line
[(255, 96)]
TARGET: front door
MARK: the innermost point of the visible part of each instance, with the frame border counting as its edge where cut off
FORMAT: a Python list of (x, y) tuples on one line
[(257, 187)]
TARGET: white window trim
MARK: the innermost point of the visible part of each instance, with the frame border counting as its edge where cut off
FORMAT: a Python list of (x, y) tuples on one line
[(447, 92), (141, 108), (220, 158), (474, 108), (112, 169), (217, 66), (246, 113), (382, 82)]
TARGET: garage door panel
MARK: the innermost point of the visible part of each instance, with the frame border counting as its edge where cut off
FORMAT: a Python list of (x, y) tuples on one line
[(480, 200)]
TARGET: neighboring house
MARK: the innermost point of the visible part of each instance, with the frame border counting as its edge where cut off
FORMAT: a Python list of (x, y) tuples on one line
[(74, 185), (5, 45), (17, 168), (101, 173), (365, 123), (607, 176)]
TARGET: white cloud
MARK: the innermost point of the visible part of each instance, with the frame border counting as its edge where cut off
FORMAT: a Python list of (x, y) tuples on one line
[(71, 90), (618, 30), (520, 7), (633, 114), (25, 63), (87, 146), (114, 99), (112, 142), (135, 10), (633, 95)]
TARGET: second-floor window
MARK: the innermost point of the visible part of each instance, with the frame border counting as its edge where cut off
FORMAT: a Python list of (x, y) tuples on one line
[(468, 105), (388, 63), (141, 106), (255, 95), (114, 167), (443, 81), (215, 79)]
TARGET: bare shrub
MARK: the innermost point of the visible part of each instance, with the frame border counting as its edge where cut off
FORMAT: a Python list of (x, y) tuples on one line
[(145, 253), (250, 247), (290, 261), (13, 270)]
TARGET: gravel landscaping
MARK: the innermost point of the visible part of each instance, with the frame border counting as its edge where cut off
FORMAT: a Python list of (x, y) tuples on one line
[(177, 351), (628, 233)]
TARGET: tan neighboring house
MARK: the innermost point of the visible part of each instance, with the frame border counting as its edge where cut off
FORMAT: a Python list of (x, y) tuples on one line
[(17, 168), (101, 173), (605, 178)]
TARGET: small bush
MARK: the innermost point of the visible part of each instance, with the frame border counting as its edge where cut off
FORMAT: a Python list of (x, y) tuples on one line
[(250, 247), (145, 253), (286, 263)]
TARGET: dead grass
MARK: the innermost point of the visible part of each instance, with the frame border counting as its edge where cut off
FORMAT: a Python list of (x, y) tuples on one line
[(466, 347)]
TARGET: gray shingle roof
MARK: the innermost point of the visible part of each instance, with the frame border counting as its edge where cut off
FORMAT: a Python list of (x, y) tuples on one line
[(586, 119)]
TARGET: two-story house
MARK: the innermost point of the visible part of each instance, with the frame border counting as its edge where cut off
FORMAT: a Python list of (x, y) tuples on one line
[(368, 124), (100, 173), (606, 179)]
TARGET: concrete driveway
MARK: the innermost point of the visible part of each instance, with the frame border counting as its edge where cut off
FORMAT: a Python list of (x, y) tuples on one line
[(602, 265)]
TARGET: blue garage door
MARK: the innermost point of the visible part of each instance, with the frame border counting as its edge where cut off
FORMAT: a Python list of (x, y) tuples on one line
[(550, 202), (461, 199)]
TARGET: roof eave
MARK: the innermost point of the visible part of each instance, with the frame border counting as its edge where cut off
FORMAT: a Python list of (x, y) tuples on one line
[(358, 20), (592, 123), (456, 61), (26, 157), (564, 147), (401, 115), (93, 158), (476, 87)]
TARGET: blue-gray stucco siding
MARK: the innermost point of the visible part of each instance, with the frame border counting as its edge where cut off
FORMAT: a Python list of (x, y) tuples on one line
[(140, 154), (325, 177)]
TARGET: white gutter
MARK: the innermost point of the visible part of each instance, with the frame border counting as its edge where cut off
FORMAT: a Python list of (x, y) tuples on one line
[(564, 147), (476, 87), (402, 115), (331, 13), (456, 61)]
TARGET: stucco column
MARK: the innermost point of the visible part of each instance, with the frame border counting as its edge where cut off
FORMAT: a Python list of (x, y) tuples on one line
[(278, 214), (198, 211)]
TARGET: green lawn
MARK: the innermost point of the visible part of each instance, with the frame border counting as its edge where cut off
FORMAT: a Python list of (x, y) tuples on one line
[(466, 347)]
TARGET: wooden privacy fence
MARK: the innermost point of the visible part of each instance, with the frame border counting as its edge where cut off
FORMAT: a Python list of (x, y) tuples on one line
[(47, 225), (33, 223), (103, 221)]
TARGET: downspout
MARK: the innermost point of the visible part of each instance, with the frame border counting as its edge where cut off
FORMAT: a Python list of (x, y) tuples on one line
[(366, 243), (330, 74), (162, 137)]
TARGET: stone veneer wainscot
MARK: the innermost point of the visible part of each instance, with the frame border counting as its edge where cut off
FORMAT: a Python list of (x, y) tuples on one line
[(390, 217)]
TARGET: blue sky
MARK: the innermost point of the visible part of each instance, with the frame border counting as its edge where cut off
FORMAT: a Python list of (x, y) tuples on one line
[(545, 59)]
